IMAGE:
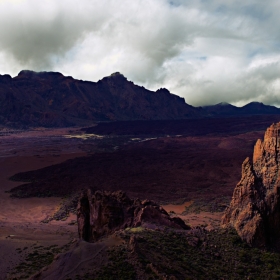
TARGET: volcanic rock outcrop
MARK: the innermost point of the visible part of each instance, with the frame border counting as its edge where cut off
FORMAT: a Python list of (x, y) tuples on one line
[(255, 207), (105, 212)]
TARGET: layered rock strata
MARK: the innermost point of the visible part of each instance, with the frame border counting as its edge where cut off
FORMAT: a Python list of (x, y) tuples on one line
[(255, 207), (105, 212)]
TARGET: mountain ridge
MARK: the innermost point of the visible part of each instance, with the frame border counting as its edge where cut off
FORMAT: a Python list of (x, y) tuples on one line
[(51, 99), (252, 108)]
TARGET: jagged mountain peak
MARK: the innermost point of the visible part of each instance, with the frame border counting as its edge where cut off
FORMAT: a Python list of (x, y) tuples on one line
[(51, 99), (117, 75), (163, 90)]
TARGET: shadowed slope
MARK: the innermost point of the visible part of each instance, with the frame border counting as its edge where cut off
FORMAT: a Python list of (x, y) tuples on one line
[(51, 99)]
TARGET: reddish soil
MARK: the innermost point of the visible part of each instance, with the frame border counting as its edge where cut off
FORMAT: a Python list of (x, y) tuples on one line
[(170, 170), (167, 170), (209, 220), (178, 209), (20, 219)]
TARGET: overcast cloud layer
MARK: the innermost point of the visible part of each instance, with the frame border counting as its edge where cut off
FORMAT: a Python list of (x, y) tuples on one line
[(206, 51)]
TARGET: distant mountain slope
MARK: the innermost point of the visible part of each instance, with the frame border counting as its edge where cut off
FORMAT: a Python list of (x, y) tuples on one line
[(221, 109), (51, 99), (226, 109), (258, 108)]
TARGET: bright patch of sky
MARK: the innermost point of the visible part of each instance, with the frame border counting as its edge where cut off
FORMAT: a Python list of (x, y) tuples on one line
[(205, 51)]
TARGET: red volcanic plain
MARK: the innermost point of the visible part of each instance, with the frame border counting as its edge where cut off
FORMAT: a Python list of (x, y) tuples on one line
[(20, 219), (193, 173), (167, 169)]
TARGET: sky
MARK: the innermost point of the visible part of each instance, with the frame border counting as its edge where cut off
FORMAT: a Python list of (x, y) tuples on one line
[(207, 51)]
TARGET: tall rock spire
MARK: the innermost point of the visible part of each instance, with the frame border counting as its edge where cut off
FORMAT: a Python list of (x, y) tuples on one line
[(255, 207)]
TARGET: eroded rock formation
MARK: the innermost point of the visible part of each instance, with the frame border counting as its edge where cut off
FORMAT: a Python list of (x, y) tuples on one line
[(255, 207), (103, 213)]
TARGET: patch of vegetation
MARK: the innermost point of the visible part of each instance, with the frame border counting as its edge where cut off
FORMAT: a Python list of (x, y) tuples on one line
[(37, 259), (118, 267), (219, 254), (168, 254), (135, 229)]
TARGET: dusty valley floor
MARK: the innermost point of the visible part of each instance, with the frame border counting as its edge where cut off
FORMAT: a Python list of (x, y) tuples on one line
[(24, 236), (21, 230)]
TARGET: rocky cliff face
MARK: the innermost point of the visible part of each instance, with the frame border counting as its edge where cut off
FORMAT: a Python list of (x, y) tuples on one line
[(105, 212), (255, 207)]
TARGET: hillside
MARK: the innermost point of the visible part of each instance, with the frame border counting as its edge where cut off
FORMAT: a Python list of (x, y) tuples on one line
[(224, 109), (51, 99)]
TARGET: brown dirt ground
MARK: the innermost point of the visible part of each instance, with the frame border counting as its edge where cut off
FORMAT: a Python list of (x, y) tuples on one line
[(209, 220), (178, 209), (167, 170), (171, 170), (20, 219)]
